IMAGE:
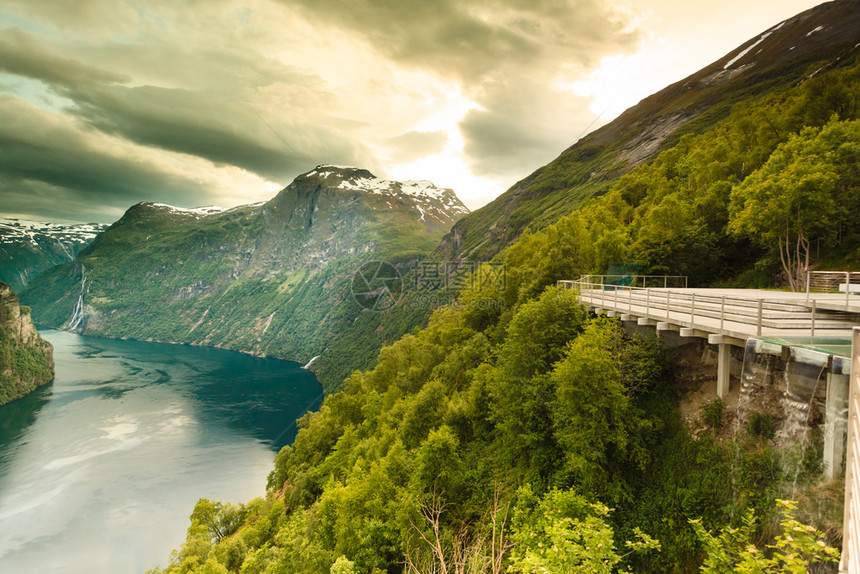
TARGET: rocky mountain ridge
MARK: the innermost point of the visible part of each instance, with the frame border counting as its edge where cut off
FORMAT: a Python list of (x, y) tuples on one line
[(438, 205), (270, 278), (29, 247)]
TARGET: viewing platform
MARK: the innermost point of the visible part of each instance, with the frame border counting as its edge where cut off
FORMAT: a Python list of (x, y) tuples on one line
[(735, 315), (810, 328), (818, 323), (814, 328)]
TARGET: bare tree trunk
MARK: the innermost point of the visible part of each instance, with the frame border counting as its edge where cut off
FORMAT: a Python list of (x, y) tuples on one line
[(465, 554), (803, 257), (795, 262), (500, 544), (785, 258)]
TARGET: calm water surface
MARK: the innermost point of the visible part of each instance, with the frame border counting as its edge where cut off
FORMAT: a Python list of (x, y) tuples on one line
[(100, 470)]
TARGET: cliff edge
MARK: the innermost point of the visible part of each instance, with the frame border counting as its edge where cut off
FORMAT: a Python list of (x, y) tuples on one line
[(26, 360)]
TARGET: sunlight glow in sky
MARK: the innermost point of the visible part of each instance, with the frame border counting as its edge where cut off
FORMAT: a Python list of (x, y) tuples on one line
[(105, 104)]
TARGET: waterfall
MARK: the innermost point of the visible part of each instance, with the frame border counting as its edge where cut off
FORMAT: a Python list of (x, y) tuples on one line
[(78, 313), (311, 362), (757, 374), (786, 383), (65, 249)]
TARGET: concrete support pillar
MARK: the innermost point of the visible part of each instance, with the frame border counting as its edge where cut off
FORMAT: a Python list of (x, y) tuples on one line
[(835, 424), (723, 369)]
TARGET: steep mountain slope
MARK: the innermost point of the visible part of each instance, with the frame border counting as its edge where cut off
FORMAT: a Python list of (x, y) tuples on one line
[(492, 413), (271, 279), (27, 247), (823, 38), (26, 360)]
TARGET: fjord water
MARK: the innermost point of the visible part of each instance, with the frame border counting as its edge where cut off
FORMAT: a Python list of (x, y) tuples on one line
[(100, 470)]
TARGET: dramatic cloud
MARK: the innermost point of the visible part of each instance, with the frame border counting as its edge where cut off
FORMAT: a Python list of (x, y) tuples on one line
[(104, 104), (522, 125), (48, 166), (472, 41), (509, 56), (21, 54), (214, 123)]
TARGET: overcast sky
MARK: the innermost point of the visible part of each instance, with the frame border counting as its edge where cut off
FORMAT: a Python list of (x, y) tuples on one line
[(107, 103)]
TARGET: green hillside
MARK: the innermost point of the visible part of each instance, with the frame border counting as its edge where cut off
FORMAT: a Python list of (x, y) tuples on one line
[(780, 173), (532, 437), (272, 279), (694, 105), (539, 439)]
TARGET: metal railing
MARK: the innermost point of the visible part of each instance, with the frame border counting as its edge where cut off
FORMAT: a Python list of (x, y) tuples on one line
[(685, 308), (630, 280), (833, 282), (850, 562)]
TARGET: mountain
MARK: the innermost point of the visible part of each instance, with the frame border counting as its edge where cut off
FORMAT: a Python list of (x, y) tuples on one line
[(26, 360), (498, 433), (820, 39), (271, 279), (28, 247)]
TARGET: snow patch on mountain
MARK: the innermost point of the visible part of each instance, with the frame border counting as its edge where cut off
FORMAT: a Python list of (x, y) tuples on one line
[(196, 211), (425, 196), (747, 51), (18, 230)]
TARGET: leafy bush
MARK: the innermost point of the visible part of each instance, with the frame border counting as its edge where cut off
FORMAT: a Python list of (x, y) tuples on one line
[(797, 548), (563, 532), (712, 413), (761, 425)]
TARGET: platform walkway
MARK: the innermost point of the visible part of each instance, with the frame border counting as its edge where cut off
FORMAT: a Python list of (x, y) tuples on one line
[(815, 327), (736, 314), (727, 317), (724, 317)]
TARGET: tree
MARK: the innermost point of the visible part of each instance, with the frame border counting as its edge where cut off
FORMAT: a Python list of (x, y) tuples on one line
[(342, 566), (790, 199), (796, 549), (220, 518), (563, 533), (471, 550), (520, 388), (593, 417)]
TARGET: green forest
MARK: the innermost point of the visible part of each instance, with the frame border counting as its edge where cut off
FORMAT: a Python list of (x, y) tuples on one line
[(728, 206), (534, 438)]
